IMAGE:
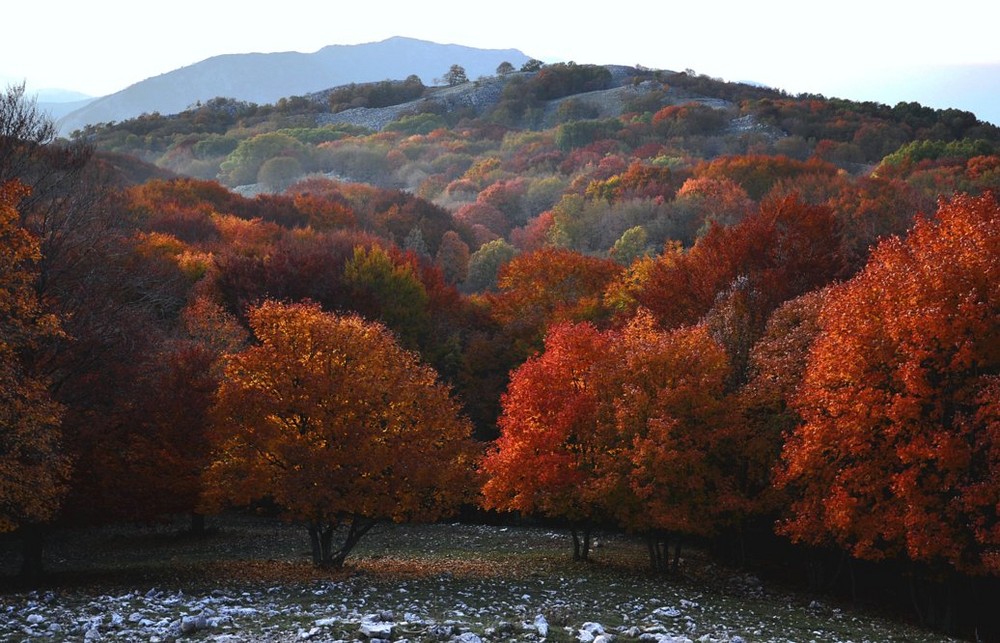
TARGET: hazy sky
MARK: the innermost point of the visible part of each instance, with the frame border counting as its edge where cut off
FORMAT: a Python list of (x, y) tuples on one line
[(101, 46)]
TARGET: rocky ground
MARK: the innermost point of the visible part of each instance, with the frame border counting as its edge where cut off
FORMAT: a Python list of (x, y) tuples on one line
[(251, 581)]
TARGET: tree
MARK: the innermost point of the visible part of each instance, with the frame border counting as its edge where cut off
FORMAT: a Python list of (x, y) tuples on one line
[(898, 455), (547, 286), (456, 76), (388, 292), (453, 257), (505, 68), (33, 465), (33, 468), (544, 460), (337, 425), (279, 172), (244, 163), (630, 246), (485, 263), (669, 468), (784, 250), (23, 129), (532, 65)]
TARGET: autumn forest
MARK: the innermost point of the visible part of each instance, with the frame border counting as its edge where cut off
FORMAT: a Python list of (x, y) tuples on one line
[(708, 314)]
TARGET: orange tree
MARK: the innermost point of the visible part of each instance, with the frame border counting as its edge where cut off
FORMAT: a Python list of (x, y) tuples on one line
[(544, 460), (328, 418), (669, 468), (33, 469), (627, 425), (898, 455)]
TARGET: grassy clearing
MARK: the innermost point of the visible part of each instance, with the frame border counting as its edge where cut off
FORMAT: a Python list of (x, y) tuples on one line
[(252, 581)]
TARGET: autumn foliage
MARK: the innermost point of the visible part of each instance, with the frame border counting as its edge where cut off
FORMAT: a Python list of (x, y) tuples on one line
[(899, 450), (332, 421), (33, 467)]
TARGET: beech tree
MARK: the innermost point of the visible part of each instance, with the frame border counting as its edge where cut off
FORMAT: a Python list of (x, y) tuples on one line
[(669, 467), (33, 466), (544, 460), (337, 425), (898, 455), (33, 469)]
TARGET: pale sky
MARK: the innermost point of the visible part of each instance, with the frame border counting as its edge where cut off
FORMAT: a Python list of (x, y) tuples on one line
[(101, 46)]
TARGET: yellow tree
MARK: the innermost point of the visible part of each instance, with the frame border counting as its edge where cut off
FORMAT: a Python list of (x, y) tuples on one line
[(32, 468), (329, 418)]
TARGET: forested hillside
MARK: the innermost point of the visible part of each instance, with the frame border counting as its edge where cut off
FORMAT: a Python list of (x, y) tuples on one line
[(697, 311)]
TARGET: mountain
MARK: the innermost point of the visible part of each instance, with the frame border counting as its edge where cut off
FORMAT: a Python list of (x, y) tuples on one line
[(58, 109), (266, 78)]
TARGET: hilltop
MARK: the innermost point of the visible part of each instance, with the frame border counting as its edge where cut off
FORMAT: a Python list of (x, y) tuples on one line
[(266, 78)]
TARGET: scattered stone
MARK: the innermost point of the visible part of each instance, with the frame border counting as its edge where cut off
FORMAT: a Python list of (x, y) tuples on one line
[(468, 637), (35, 619), (542, 626), (668, 612), (376, 630)]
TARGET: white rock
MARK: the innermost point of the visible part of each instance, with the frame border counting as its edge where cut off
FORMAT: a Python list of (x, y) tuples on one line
[(189, 624), (604, 638), (35, 619), (468, 637), (326, 622), (376, 630), (542, 626), (669, 612), (134, 617)]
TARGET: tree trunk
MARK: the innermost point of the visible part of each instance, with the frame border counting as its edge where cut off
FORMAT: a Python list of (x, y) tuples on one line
[(675, 565), (32, 550), (659, 552), (359, 527), (321, 537), (581, 543)]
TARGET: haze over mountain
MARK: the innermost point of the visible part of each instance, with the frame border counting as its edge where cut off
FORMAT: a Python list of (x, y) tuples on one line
[(266, 78)]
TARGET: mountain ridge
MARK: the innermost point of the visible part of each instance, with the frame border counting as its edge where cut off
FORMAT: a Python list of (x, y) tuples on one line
[(268, 77)]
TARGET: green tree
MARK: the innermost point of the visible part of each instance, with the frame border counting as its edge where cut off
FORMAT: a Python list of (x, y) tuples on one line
[(485, 264), (505, 68), (279, 172), (630, 246), (532, 65), (390, 293), (242, 166)]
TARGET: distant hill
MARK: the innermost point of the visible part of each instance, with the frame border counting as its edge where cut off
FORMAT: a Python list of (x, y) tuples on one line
[(266, 78), (58, 109)]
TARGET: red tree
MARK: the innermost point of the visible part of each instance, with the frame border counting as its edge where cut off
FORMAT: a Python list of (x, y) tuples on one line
[(899, 452)]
